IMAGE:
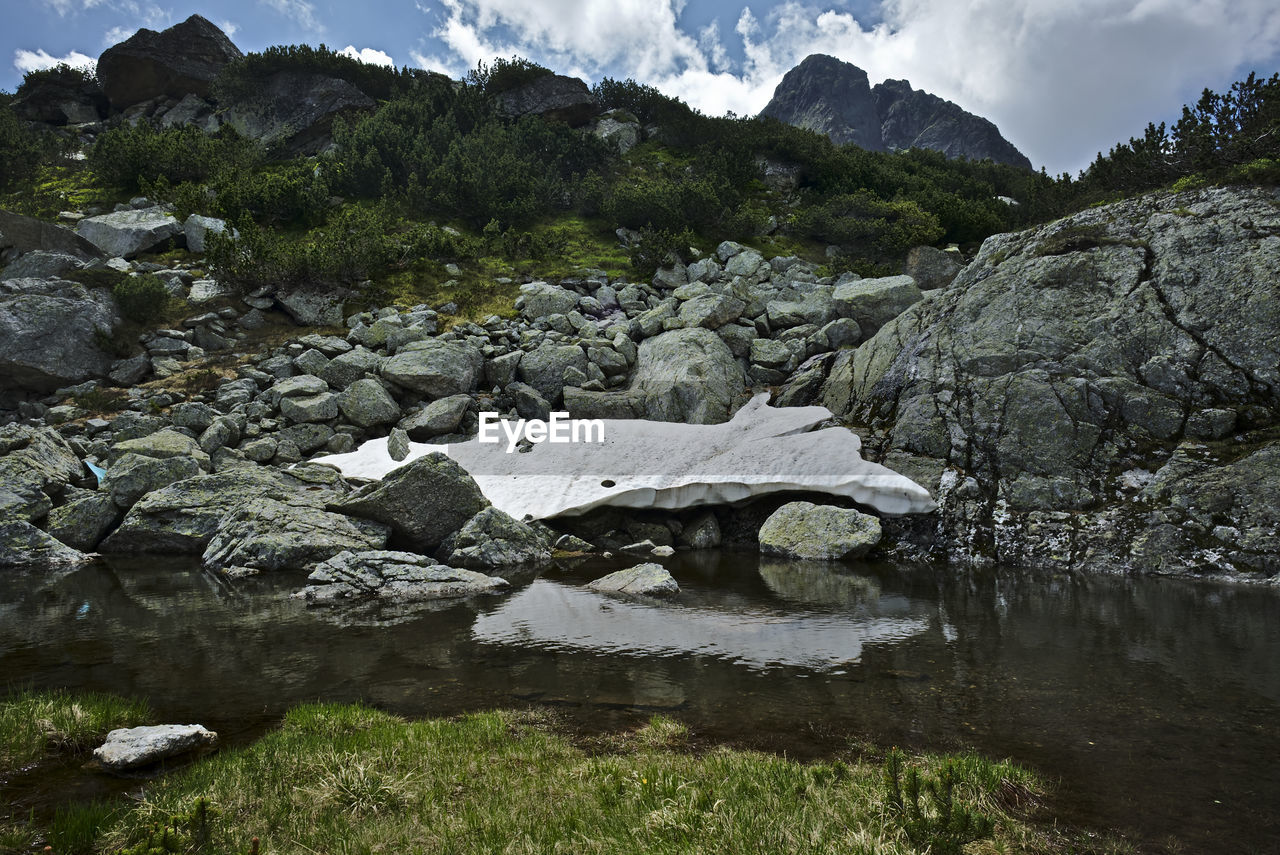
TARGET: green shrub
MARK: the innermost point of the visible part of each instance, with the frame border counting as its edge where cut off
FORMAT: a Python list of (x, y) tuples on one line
[(657, 248), (129, 156), (504, 75), (142, 299), (22, 148), (242, 77)]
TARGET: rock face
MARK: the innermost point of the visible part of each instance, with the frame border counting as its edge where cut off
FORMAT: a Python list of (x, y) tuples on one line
[(645, 580), (423, 502), (296, 110), (830, 97), (264, 534), (127, 233), (834, 98), (552, 96), (1087, 389), (180, 60), (50, 331), (820, 532), (27, 234), (394, 576), (37, 464), (912, 118), (65, 101), (129, 748)]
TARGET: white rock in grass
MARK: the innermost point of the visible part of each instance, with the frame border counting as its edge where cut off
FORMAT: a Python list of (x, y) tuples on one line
[(131, 747)]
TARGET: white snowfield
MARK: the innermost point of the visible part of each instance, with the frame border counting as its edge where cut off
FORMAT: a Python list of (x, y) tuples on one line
[(668, 465)]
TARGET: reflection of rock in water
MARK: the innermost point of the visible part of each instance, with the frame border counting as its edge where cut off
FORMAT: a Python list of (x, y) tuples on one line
[(818, 583)]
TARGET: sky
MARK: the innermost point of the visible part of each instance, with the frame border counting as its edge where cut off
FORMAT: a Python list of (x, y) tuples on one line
[(1063, 79)]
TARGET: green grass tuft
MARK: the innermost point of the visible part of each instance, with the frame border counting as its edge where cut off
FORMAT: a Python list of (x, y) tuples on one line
[(34, 724)]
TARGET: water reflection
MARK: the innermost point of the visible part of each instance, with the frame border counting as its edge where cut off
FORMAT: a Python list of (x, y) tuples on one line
[(1154, 701)]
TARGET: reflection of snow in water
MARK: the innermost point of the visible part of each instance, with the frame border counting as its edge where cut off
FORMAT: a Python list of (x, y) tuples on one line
[(557, 616)]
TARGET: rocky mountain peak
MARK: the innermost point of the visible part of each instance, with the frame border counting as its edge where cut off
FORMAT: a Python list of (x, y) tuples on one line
[(184, 59), (833, 97)]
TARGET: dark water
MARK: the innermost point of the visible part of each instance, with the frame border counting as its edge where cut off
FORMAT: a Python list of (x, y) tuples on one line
[(1155, 703)]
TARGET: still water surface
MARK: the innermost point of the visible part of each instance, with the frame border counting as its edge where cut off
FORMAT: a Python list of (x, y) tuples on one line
[(1155, 703)]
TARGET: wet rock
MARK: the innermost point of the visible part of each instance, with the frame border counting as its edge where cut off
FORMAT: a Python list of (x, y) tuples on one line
[(648, 580), (392, 576), (130, 748), (266, 534), (84, 520), (24, 545), (493, 538), (423, 501), (809, 531)]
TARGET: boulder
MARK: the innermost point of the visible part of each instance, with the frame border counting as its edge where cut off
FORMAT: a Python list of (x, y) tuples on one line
[(423, 502), (24, 545), (125, 234), (540, 300), (133, 476), (643, 580), (42, 264), (543, 368), (181, 518), (1069, 355), (554, 97), (310, 408), (170, 64), (196, 227), (623, 132), (51, 333), (392, 576), (689, 376), (84, 520), (130, 748), (438, 417), (295, 110), (711, 310), (61, 99), (266, 534), (492, 539), (818, 532), (37, 463), (366, 403), (435, 368), (309, 307), (27, 234), (875, 302), (161, 445), (931, 268)]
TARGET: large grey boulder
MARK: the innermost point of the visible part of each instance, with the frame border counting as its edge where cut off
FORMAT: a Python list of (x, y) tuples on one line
[(438, 417), (493, 538), (266, 534), (182, 59), (295, 110), (130, 748), (543, 368), (309, 306), (552, 96), (51, 333), (134, 475), (27, 234), (875, 302), (24, 545), (822, 532), (37, 463), (366, 403), (540, 300), (931, 268), (435, 368), (84, 520), (687, 375), (196, 227), (646, 580), (162, 444), (43, 264), (124, 234), (180, 519), (1068, 360), (392, 576), (423, 502)]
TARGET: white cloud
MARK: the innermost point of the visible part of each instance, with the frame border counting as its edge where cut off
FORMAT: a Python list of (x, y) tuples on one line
[(62, 7), (228, 27), (34, 60), (369, 56), (1061, 78), (115, 35), (302, 12)]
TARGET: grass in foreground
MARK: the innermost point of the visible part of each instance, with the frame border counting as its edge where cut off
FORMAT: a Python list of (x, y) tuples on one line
[(34, 724), (351, 779)]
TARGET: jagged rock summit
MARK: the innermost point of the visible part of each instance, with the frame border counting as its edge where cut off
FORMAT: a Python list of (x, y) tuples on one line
[(181, 60), (835, 98)]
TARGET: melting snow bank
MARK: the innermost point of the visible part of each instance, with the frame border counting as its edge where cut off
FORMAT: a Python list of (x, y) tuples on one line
[(669, 465)]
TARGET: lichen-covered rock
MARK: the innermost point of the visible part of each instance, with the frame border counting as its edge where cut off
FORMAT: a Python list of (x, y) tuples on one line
[(124, 234), (646, 580), (875, 302), (134, 475), (392, 576), (50, 333), (540, 300), (423, 502), (1071, 354), (687, 376), (266, 534), (435, 368), (161, 445), (24, 545), (36, 463), (932, 268), (84, 520), (366, 403), (822, 532), (438, 417), (543, 368), (181, 519), (493, 538), (132, 747)]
